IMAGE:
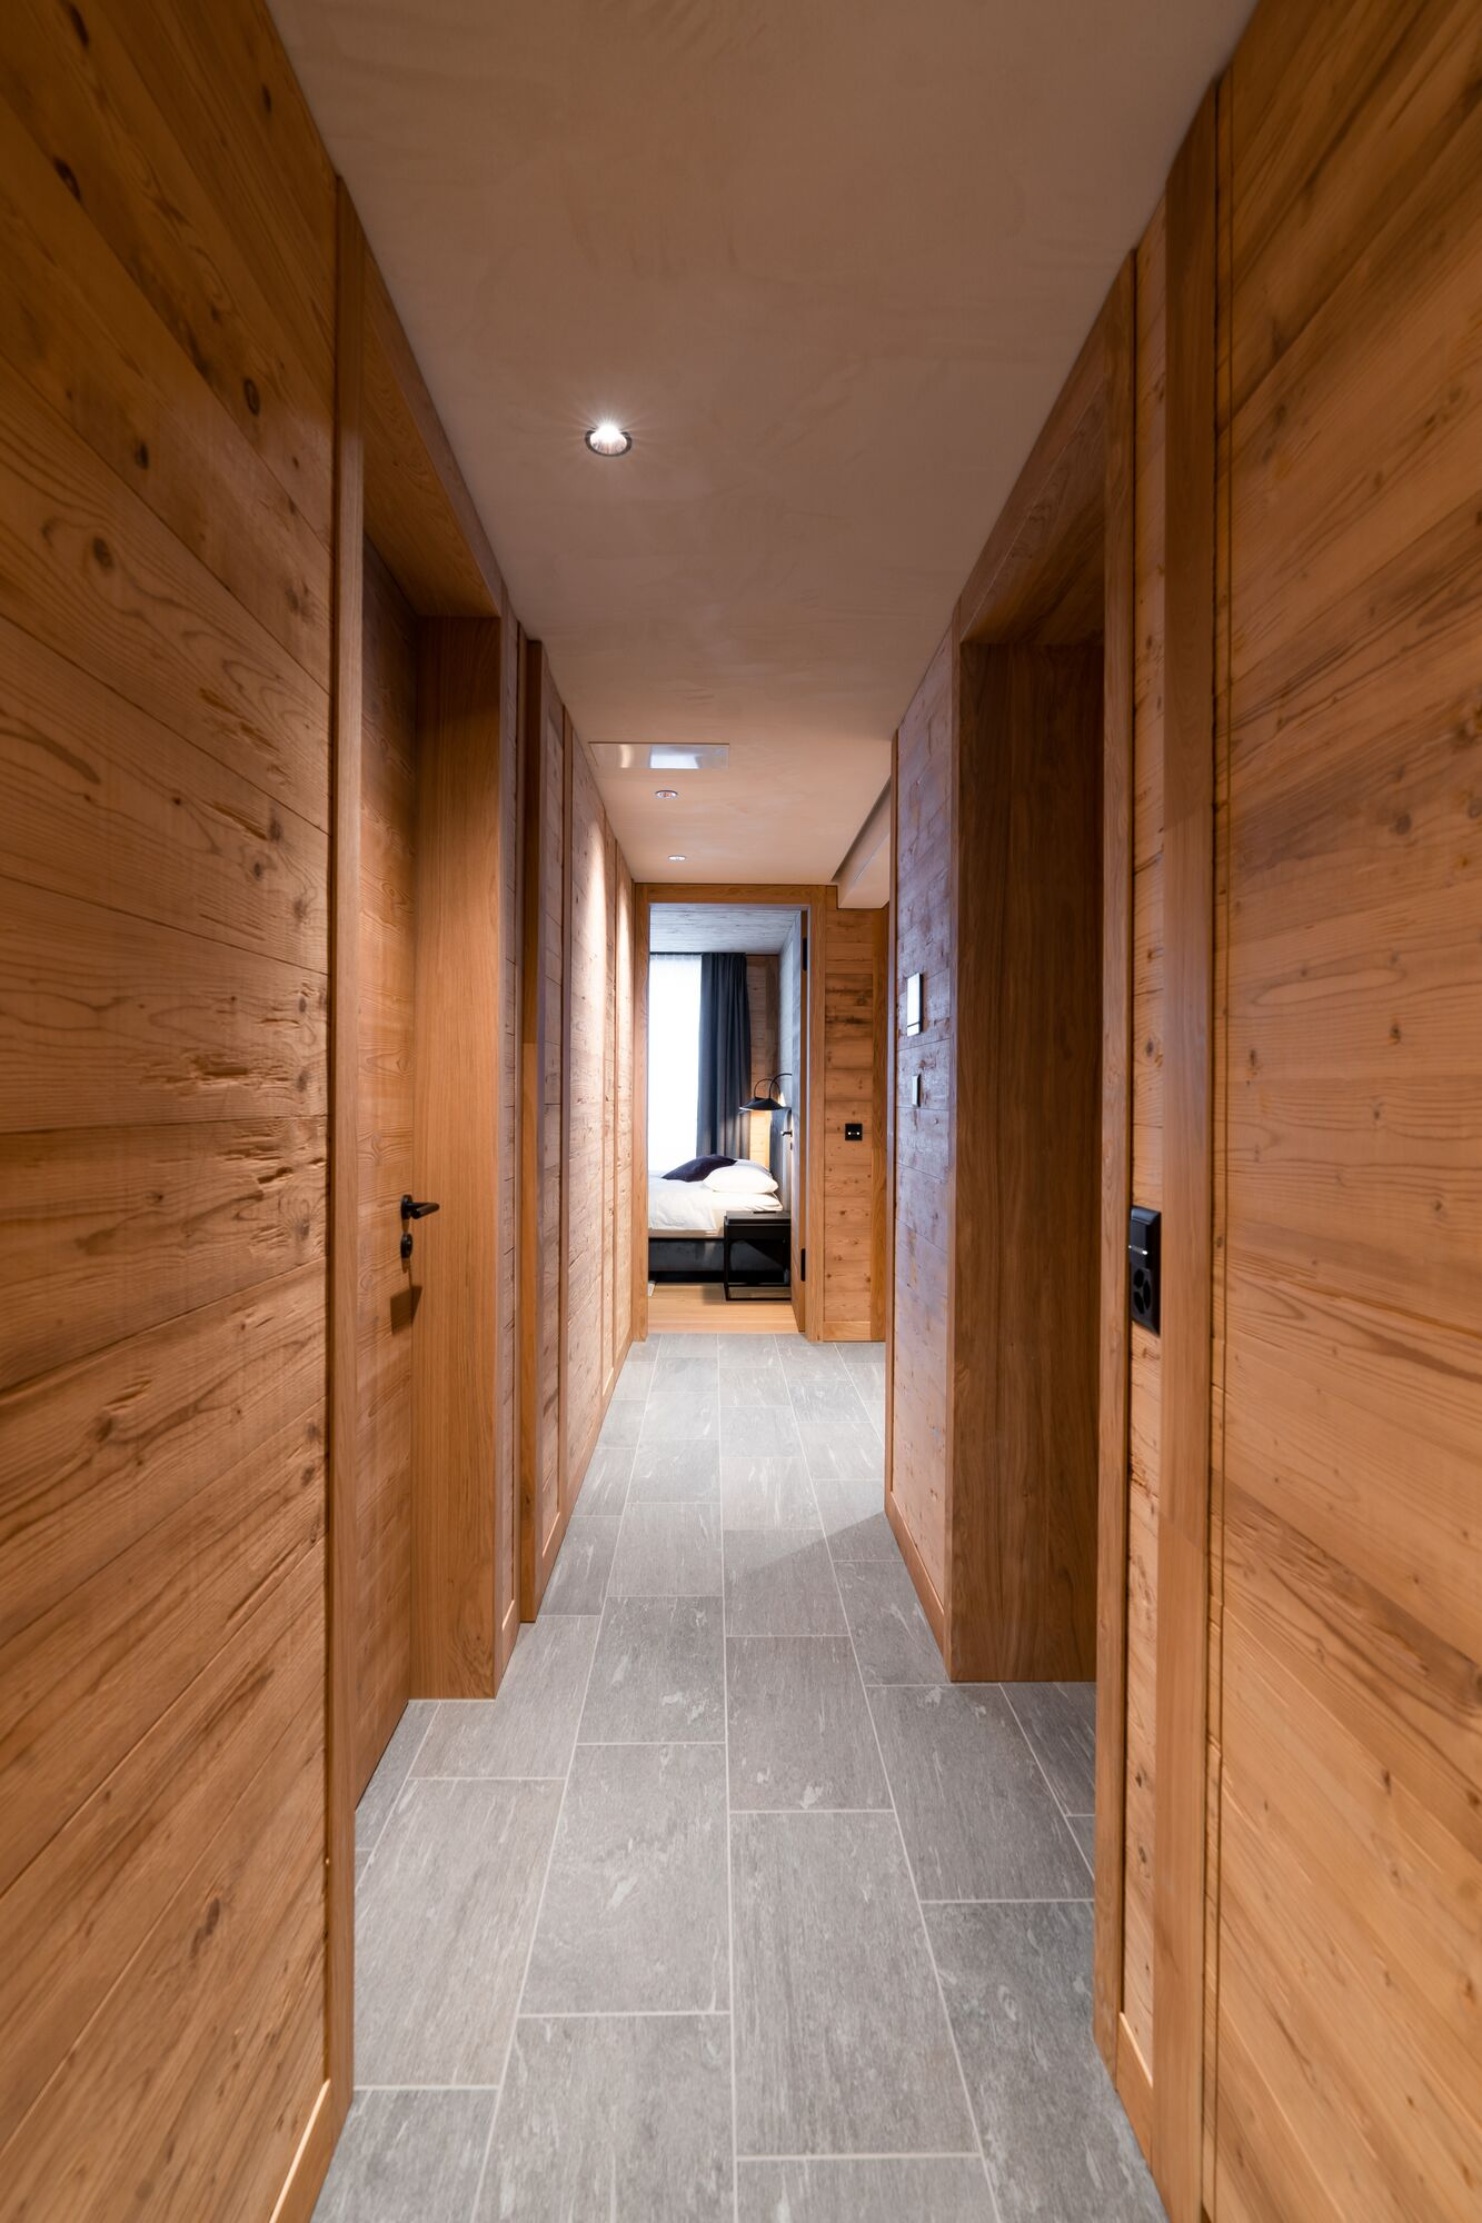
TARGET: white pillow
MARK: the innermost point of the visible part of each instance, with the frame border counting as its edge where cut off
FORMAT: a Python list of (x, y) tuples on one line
[(745, 1178)]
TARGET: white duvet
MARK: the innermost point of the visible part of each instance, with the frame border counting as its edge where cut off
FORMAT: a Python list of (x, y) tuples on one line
[(689, 1208)]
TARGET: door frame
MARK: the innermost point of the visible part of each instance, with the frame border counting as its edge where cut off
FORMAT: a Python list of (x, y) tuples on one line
[(398, 482), (811, 899)]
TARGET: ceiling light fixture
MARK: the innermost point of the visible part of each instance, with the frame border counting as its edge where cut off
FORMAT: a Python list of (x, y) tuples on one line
[(666, 794), (676, 857), (609, 438)]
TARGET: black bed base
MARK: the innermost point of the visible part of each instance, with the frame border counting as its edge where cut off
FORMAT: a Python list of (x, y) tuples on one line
[(685, 1258)]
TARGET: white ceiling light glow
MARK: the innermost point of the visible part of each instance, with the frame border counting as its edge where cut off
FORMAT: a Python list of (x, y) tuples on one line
[(677, 857), (609, 438)]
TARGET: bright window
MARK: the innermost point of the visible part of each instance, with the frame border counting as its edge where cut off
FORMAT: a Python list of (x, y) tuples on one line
[(673, 1061)]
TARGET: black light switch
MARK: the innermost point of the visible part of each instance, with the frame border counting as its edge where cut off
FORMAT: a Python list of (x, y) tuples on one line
[(853, 1130), (1145, 1266)]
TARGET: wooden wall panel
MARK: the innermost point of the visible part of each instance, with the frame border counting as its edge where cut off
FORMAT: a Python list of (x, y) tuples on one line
[(387, 1168), (1027, 1041), (924, 943), (762, 991), (1350, 1740), (507, 1573), (455, 1576), (850, 1244), (625, 962), (584, 1259), (165, 591), (1144, 1391)]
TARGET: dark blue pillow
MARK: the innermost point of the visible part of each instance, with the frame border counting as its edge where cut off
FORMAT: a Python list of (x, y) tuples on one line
[(698, 1169)]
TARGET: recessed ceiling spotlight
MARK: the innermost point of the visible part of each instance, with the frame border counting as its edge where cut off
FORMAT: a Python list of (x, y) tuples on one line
[(677, 856), (609, 438), (666, 794)]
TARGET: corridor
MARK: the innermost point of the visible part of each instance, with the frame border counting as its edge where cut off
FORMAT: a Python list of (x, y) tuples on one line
[(729, 1905)]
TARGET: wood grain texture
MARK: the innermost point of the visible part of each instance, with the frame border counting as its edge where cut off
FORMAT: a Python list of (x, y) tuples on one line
[(924, 943), (419, 511), (1118, 789), (341, 1774), (1183, 1498), (542, 1158), (1349, 1336), (1140, 1573), (167, 431), (387, 1288), (455, 1357), (850, 1240), (1022, 1543)]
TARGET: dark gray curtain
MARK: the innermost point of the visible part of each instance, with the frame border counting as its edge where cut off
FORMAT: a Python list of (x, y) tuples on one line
[(725, 1055)]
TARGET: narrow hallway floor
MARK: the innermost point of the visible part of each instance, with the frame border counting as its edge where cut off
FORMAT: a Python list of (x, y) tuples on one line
[(730, 1906)]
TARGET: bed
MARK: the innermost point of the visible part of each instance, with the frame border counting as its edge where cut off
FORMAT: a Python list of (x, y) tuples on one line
[(686, 1223)]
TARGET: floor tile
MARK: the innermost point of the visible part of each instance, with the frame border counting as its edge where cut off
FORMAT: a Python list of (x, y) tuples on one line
[(658, 1675), (605, 1485), (762, 1382), (828, 1404), (681, 1416), (668, 1551), (809, 1361), (635, 1917), (684, 1371), (780, 1582), (686, 1346), (841, 2043), (978, 1819), (632, 1384), (798, 1725), (766, 1490), (1017, 1981), (622, 1424), (676, 1474), (404, 2157), (853, 1450), (530, 1728), (442, 1929), (853, 1513), (890, 1631), (758, 1430), (1059, 1719), (578, 1581), (939, 2190), (626, 2120), (392, 1770)]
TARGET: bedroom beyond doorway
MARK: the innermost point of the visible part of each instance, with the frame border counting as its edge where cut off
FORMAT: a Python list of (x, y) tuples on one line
[(726, 1042)]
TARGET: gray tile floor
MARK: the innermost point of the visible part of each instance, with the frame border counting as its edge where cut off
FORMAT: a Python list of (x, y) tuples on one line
[(729, 1909)]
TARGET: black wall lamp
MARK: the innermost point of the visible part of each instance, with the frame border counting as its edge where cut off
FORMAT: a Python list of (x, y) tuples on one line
[(765, 1101)]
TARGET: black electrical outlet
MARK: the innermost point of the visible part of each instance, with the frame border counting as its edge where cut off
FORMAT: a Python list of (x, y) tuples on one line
[(1145, 1266), (853, 1130)]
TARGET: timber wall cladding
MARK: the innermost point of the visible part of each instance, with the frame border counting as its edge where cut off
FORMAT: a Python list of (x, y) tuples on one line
[(166, 406), (586, 1252), (849, 1089), (383, 1467), (1350, 1876), (922, 1267), (1144, 1411), (577, 1055)]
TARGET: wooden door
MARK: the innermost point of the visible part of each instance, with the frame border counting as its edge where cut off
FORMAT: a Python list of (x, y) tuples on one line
[(1349, 2072), (387, 1289)]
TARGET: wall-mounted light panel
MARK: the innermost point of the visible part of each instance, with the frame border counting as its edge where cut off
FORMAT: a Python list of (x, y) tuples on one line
[(915, 1003)]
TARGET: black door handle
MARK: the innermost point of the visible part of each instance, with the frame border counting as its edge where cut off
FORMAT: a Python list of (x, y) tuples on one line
[(411, 1210)]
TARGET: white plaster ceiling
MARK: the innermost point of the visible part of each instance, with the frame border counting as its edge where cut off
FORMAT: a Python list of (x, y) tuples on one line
[(828, 260)]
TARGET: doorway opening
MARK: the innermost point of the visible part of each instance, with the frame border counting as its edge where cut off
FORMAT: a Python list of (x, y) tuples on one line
[(723, 1191)]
